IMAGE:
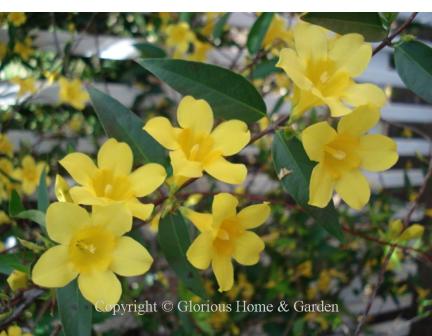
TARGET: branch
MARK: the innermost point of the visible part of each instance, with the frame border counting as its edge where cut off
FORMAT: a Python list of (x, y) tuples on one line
[(270, 129)]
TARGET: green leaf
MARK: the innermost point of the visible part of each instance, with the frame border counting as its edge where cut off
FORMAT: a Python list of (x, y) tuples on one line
[(220, 25), (174, 239), (33, 215), (258, 32), (294, 169), (367, 24), (15, 204), (42, 193), (75, 311), (148, 50), (230, 95), (265, 68), (122, 124), (10, 262), (414, 66), (388, 18)]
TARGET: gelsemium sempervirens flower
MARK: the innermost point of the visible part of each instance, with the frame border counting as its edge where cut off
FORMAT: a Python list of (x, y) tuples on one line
[(24, 48), (322, 69), (224, 235), (179, 36), (6, 146), (92, 248), (29, 174), (26, 85), (342, 153), (17, 18), (112, 180), (72, 92), (195, 148)]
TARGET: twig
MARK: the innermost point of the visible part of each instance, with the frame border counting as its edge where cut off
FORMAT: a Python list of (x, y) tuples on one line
[(269, 129)]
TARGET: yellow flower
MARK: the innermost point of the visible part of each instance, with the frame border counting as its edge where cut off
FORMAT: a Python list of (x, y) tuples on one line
[(224, 234), (322, 69), (61, 189), (14, 331), (277, 32), (26, 85), (29, 174), (3, 50), (17, 19), (112, 181), (92, 248), (195, 148), (17, 280), (200, 51), (72, 92), (6, 146), (343, 153), (76, 123), (6, 171), (179, 36), (24, 48)]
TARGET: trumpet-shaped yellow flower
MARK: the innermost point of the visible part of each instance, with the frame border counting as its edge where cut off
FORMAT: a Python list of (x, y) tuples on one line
[(224, 235), (24, 48), (322, 70), (179, 36), (17, 280), (29, 174), (200, 52), (195, 148), (6, 146), (61, 189), (92, 248), (277, 32), (112, 181), (3, 50), (26, 85), (17, 18), (342, 153), (14, 331), (72, 92)]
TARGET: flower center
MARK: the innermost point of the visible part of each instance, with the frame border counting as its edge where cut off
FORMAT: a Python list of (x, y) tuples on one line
[(226, 236), (336, 153), (108, 185), (341, 155), (196, 146)]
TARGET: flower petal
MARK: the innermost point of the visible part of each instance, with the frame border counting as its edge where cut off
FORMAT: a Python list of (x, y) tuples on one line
[(162, 131), (253, 215), (351, 53), (320, 187), (315, 137), (337, 108), (310, 41), (224, 272), (84, 195), (248, 248), (364, 94), (224, 206), (130, 258), (359, 121), (294, 68), (195, 114), (53, 269), (230, 137), (147, 179), (354, 189), (377, 152), (116, 156), (202, 221), (140, 210), (225, 171), (103, 289), (115, 217), (184, 167), (200, 252), (80, 167), (63, 219)]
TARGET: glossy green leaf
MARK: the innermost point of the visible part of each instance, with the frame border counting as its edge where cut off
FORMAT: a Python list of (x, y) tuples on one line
[(294, 169), (258, 32), (230, 95), (122, 124), (148, 50), (33, 215), (10, 262), (220, 25), (414, 66), (42, 193), (75, 311), (367, 24), (15, 204), (174, 240)]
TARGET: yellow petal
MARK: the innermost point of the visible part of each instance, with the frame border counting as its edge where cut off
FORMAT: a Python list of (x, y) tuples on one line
[(310, 41), (253, 215), (162, 131), (294, 68), (115, 217), (248, 248), (115, 156), (364, 94), (377, 152), (354, 189), (80, 167), (414, 231), (13, 330), (195, 114), (200, 252), (224, 272), (230, 137), (184, 167), (53, 269), (100, 288), (85, 195), (140, 210), (64, 219), (147, 179), (320, 187), (61, 189), (337, 108), (224, 206), (351, 53), (359, 121), (202, 221), (130, 258), (225, 171), (314, 139)]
